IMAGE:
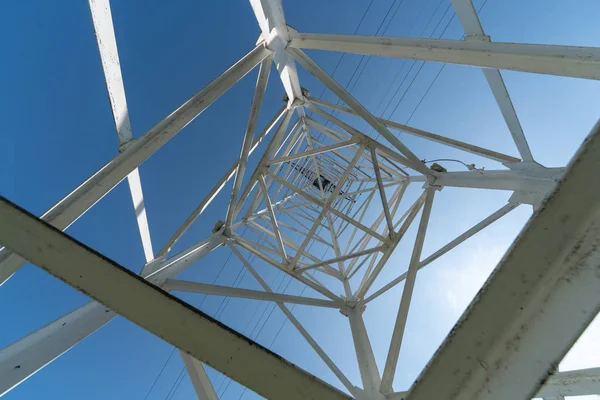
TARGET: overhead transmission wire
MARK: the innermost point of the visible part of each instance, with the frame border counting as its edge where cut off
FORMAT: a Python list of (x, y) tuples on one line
[(160, 373), (251, 334), (364, 66), (353, 83), (437, 75), (421, 67), (221, 308), (174, 348), (404, 61), (285, 320), (414, 62), (179, 378), (242, 272), (343, 54), (334, 112), (274, 306), (418, 104), (405, 92), (389, 21), (363, 56), (397, 105), (225, 301)]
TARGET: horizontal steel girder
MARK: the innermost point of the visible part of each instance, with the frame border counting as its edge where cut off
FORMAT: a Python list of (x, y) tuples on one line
[(536, 303), (76, 203), (171, 319), (574, 61)]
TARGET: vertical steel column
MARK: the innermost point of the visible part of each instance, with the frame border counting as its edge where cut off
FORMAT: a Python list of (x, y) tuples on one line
[(367, 365)]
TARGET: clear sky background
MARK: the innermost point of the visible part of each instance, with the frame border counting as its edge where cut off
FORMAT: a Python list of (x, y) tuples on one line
[(58, 130)]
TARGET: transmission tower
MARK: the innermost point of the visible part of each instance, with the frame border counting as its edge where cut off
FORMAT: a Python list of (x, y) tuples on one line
[(334, 187)]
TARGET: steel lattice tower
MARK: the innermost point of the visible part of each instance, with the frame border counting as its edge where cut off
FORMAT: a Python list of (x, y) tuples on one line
[(318, 185)]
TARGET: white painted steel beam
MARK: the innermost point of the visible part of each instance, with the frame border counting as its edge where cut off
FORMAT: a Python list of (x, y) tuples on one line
[(76, 203), (369, 279), (311, 341), (197, 287), (470, 148), (275, 33), (217, 188), (332, 210), (304, 232), (281, 138), (574, 61), (502, 211), (536, 303), (257, 99), (381, 190), (391, 362), (342, 258), (352, 131), (279, 207), (315, 162), (109, 56), (538, 180), (23, 358), (265, 191), (287, 241), (171, 319), (200, 380), (336, 244), (358, 108), (582, 382), (364, 353), (272, 149), (452, 244), (312, 152), (26, 356), (135, 188), (470, 22), (319, 288), (363, 211), (326, 207)]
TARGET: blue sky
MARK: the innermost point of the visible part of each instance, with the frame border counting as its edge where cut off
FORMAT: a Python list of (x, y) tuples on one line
[(58, 130)]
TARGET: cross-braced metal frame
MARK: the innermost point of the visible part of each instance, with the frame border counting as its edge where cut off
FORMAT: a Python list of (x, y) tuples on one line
[(314, 188)]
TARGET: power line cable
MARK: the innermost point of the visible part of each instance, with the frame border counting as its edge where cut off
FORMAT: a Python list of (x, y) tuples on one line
[(402, 65), (343, 54), (399, 102), (159, 374), (419, 103), (436, 77), (363, 56), (242, 272)]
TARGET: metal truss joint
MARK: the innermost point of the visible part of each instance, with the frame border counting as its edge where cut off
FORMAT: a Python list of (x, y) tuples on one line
[(125, 145), (226, 231), (296, 103), (352, 304), (431, 184)]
